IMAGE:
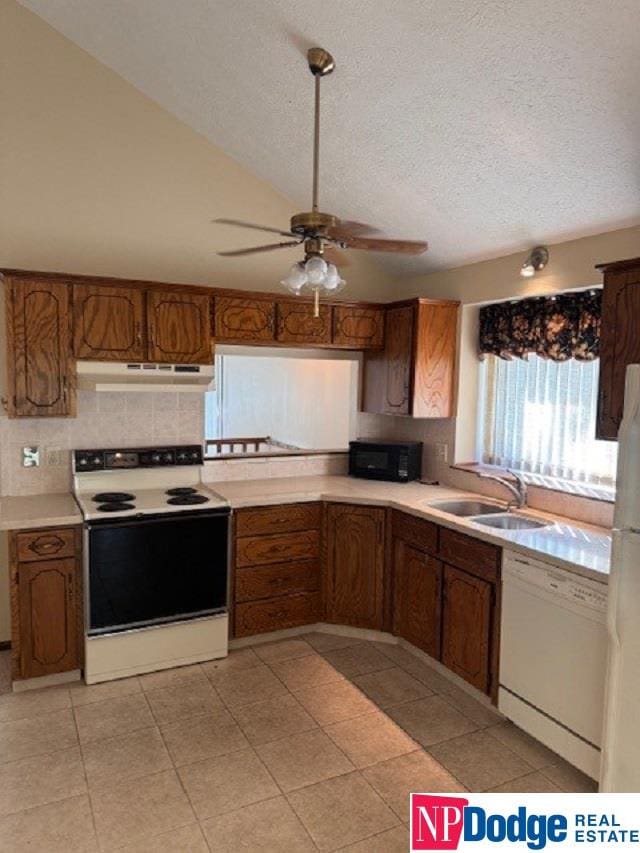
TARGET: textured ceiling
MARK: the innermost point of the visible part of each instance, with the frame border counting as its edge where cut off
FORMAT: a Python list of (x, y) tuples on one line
[(483, 127)]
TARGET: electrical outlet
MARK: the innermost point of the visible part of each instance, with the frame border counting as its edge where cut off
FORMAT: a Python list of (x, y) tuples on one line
[(56, 457), (442, 451), (30, 457)]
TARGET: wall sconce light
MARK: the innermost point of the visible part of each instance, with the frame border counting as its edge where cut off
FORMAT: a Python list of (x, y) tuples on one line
[(537, 260)]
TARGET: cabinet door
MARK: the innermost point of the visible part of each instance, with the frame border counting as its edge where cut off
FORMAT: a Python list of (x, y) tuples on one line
[(435, 360), (417, 580), (48, 617), (179, 328), (359, 328), (297, 325), (108, 323), (387, 375), (355, 565), (240, 320), (466, 629), (41, 371), (619, 345)]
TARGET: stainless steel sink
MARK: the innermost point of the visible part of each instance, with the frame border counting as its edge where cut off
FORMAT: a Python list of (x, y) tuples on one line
[(467, 507), (506, 521)]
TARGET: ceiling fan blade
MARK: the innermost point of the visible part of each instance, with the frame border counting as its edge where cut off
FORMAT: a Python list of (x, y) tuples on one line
[(335, 256), (236, 253), (241, 224), (346, 228), (372, 244)]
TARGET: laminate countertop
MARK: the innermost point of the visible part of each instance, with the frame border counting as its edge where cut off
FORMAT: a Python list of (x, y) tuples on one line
[(581, 548), (34, 511)]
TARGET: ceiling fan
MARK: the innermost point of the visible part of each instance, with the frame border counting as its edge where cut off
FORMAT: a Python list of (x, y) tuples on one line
[(322, 234)]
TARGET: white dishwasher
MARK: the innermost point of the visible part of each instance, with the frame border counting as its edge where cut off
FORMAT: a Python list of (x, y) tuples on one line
[(553, 656)]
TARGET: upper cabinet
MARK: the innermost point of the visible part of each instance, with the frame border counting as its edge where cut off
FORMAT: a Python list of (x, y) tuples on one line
[(109, 323), (244, 320), (358, 328), (297, 325), (415, 372), (179, 327), (619, 340), (41, 375)]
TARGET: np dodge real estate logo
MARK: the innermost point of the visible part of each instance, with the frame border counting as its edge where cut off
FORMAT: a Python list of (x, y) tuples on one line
[(525, 821)]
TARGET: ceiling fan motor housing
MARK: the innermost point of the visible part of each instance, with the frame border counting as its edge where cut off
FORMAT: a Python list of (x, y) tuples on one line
[(313, 223)]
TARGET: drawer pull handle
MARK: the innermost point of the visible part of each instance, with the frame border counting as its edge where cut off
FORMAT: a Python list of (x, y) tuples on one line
[(46, 545), (279, 581)]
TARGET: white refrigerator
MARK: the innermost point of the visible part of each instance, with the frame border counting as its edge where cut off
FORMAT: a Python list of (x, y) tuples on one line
[(620, 769)]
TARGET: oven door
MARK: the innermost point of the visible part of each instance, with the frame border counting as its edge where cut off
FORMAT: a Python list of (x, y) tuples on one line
[(155, 569)]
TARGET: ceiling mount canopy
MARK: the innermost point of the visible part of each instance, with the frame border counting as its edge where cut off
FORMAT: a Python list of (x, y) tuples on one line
[(323, 234)]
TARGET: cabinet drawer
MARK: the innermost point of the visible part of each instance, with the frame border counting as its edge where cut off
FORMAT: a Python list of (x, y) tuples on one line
[(274, 614), (415, 531), (45, 544), (283, 518), (479, 558), (259, 582), (261, 550)]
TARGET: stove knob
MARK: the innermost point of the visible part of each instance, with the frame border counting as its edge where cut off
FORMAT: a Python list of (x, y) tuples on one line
[(156, 458), (168, 457), (97, 460), (83, 460)]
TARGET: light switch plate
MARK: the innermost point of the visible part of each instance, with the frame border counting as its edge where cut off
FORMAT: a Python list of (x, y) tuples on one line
[(30, 457), (442, 451)]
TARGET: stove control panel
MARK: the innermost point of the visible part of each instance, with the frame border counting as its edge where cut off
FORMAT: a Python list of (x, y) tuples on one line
[(137, 457)]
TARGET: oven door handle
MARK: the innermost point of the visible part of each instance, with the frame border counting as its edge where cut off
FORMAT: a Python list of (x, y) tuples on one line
[(161, 518)]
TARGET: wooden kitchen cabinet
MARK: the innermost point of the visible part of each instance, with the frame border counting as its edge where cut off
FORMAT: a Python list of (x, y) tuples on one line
[(46, 602), (239, 320), (358, 328), (417, 583), (355, 565), (297, 325), (40, 368), (109, 323), (466, 626), (619, 341), (179, 327), (415, 372)]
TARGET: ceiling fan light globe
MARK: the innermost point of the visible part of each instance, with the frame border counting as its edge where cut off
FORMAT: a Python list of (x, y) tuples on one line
[(295, 279), (316, 269)]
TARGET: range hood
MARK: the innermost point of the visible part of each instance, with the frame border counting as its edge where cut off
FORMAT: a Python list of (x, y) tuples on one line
[(144, 376)]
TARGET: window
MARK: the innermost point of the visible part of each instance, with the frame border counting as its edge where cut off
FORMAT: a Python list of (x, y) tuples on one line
[(283, 402), (538, 417)]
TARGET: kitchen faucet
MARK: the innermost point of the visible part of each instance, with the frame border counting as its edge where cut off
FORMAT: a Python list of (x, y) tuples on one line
[(517, 489)]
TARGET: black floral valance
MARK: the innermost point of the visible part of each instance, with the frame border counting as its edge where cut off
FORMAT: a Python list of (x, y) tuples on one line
[(556, 327)]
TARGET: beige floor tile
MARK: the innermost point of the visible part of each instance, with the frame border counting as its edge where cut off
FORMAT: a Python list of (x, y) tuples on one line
[(421, 670), (242, 687), (394, 840), (62, 827), (270, 827), (84, 694), (236, 659), (479, 761), (113, 717), (358, 660), (532, 783), (322, 642), (273, 719), (33, 703), (431, 720), (132, 810), (370, 739), (341, 811), (303, 759), (203, 737), (41, 779), (533, 752), (391, 687), (481, 714), (171, 677), (186, 839), (228, 782), (182, 700), (416, 772), (569, 778), (131, 756), (308, 671), (37, 735), (331, 703), (282, 650)]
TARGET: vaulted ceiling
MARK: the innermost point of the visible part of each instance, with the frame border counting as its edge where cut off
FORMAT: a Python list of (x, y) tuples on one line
[(483, 127)]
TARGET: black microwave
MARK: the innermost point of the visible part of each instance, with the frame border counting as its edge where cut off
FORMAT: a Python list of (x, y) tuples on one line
[(397, 461)]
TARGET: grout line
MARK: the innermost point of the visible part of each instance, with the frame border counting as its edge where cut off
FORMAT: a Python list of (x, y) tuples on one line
[(86, 780)]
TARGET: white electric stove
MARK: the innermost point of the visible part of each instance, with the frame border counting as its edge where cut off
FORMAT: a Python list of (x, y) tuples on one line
[(156, 555)]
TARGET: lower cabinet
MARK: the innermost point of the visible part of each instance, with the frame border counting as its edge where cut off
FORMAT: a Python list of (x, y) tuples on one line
[(416, 597), (466, 626), (355, 557), (46, 602)]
